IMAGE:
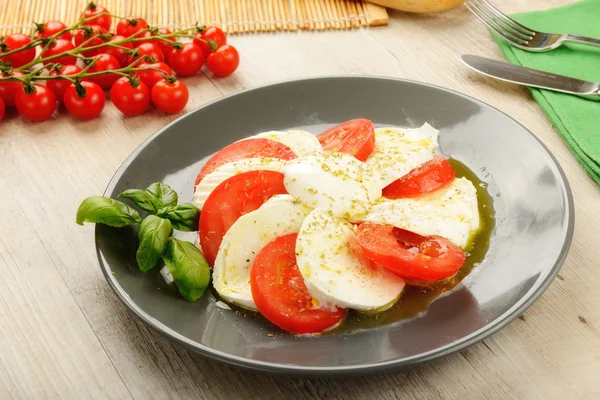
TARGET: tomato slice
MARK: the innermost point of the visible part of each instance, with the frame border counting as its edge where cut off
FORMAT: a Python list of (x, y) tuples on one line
[(279, 291), (429, 177), (233, 198), (249, 148), (396, 249), (355, 137)]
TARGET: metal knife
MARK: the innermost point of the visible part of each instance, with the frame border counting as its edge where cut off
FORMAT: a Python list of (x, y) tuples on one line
[(532, 77)]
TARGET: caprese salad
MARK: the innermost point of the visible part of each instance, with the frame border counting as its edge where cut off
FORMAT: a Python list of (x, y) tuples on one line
[(302, 228)]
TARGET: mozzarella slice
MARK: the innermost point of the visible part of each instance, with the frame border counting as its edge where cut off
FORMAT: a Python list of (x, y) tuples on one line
[(301, 142), (331, 182), (226, 171), (398, 151), (331, 262), (450, 212), (280, 215)]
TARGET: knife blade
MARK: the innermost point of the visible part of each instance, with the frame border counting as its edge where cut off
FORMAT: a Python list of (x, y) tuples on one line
[(532, 77)]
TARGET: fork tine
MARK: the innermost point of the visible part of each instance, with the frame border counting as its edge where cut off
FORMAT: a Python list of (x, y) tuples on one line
[(494, 26), (500, 19), (514, 24)]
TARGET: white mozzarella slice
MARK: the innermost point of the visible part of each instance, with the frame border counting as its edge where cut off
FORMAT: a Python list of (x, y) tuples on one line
[(399, 151), (451, 212), (226, 171), (280, 215), (331, 262), (331, 182), (301, 142)]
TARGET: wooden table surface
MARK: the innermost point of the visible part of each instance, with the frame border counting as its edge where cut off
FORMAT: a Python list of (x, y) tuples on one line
[(64, 334)]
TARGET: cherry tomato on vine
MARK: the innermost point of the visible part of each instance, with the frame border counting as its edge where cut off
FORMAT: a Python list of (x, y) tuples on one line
[(170, 97), (215, 34), (223, 61), (93, 10), (187, 61), (51, 28), (59, 86), (87, 33), (8, 89), (85, 102), (130, 26), (14, 42), (163, 44), (2, 109), (120, 54), (150, 77), (130, 96), (59, 47), (105, 62), (148, 51), (205, 47), (36, 103)]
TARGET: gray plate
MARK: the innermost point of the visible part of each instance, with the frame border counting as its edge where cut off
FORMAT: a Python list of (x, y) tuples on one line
[(534, 224)]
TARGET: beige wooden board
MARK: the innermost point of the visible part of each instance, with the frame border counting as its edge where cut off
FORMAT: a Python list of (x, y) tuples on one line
[(64, 335), (234, 16)]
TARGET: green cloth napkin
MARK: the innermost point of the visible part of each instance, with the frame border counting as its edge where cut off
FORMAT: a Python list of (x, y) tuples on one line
[(577, 120)]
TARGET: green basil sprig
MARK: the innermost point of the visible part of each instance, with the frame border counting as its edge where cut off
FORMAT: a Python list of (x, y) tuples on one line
[(184, 261), (188, 267)]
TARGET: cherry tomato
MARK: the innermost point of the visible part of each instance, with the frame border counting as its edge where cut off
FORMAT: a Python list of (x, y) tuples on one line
[(249, 148), (130, 26), (2, 109), (9, 89), (59, 86), (148, 51), (102, 20), (165, 47), (437, 258), (170, 97), (205, 47), (280, 293), (233, 198), (131, 97), (59, 47), (430, 177), (150, 77), (186, 61), (215, 34), (120, 54), (14, 42), (105, 62), (51, 28), (355, 137), (87, 105), (87, 33), (39, 105), (223, 61)]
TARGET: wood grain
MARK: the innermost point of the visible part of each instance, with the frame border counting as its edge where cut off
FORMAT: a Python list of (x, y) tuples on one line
[(64, 335)]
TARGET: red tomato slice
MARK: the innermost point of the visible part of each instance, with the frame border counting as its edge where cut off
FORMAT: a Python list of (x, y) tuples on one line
[(233, 198), (249, 148), (355, 137), (279, 291), (437, 258), (428, 178)]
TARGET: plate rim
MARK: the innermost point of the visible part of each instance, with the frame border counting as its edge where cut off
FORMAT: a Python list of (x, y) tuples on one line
[(496, 325)]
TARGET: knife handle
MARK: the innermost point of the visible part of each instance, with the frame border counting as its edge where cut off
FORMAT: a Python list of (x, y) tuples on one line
[(582, 39)]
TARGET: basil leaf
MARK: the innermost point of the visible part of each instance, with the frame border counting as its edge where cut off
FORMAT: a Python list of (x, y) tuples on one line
[(188, 267), (153, 236), (142, 199), (107, 211), (165, 196), (184, 217)]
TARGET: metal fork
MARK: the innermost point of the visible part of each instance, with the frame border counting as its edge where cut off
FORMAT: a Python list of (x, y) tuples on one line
[(520, 35)]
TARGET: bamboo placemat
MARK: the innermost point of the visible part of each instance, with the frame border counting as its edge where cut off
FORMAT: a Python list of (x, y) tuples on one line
[(233, 16)]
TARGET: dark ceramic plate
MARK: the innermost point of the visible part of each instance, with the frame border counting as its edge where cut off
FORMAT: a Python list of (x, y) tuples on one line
[(532, 201)]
